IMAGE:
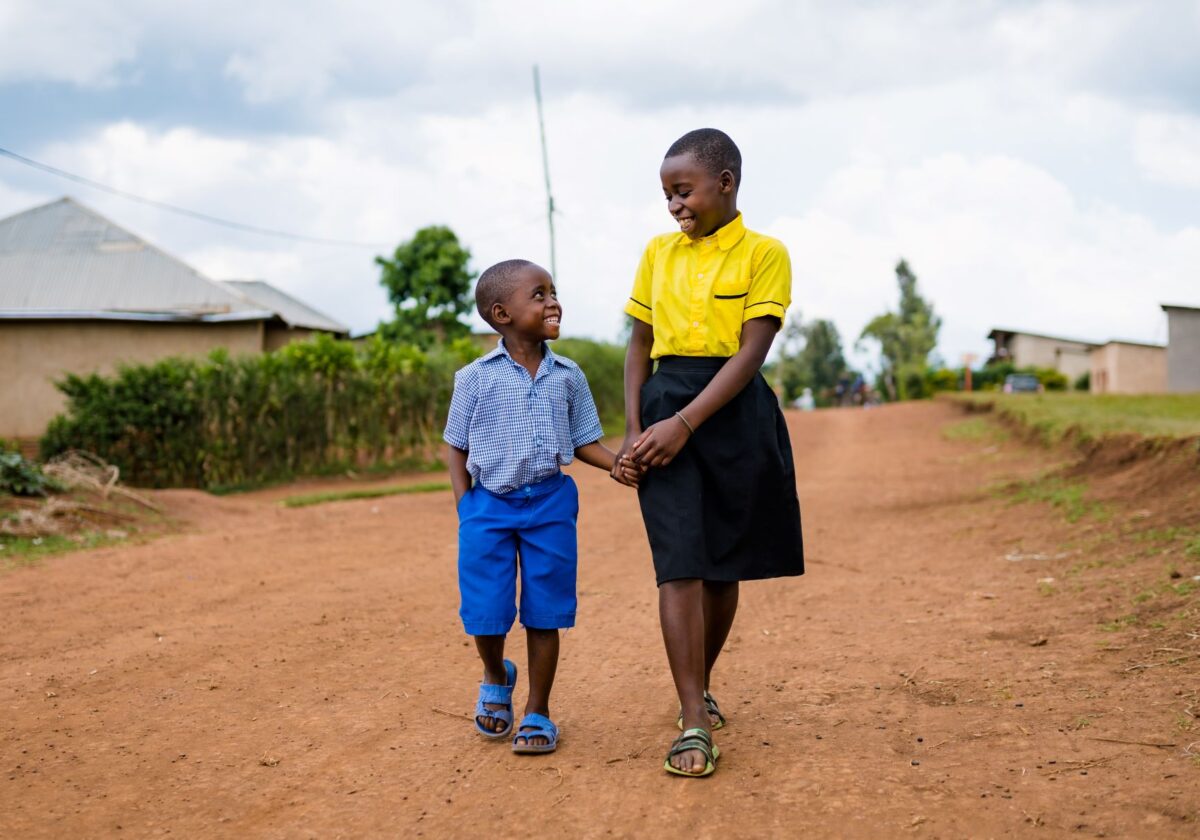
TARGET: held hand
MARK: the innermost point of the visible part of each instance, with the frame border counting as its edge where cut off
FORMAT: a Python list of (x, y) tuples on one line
[(659, 444), (628, 472), (621, 463)]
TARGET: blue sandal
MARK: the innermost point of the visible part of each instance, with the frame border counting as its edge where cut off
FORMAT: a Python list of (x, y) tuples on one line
[(497, 694), (533, 725)]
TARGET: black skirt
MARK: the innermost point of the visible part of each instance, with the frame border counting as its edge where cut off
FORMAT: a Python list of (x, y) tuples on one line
[(725, 509)]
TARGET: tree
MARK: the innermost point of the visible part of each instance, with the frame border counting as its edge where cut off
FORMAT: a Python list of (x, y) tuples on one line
[(429, 284), (811, 357), (906, 338)]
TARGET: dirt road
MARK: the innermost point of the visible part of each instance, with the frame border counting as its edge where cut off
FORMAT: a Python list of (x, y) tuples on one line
[(302, 673)]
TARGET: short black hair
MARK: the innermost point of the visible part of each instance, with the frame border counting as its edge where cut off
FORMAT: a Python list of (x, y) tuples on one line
[(713, 149), (496, 284)]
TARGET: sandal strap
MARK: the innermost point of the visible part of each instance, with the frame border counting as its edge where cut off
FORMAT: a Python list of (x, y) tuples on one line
[(710, 705), (489, 693), (534, 724), (693, 739)]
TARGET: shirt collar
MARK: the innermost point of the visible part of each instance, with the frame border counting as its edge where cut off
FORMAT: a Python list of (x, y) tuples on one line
[(728, 236), (500, 350)]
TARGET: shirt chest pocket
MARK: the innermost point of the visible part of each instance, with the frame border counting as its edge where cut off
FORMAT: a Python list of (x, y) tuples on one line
[(556, 408), (733, 281), (728, 304)]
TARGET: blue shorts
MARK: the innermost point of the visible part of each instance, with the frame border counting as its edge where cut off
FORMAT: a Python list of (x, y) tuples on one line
[(535, 523)]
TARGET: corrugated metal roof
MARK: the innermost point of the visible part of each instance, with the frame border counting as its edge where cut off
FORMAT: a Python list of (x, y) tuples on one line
[(294, 313), (64, 257)]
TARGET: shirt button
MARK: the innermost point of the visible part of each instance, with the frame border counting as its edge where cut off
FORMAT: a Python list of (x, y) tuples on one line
[(695, 323), (700, 275)]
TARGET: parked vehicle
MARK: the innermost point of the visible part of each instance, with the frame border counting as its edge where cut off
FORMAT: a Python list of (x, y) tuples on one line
[(1022, 383)]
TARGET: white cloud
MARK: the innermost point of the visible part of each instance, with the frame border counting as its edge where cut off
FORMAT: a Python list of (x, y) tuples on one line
[(82, 44), (995, 242), (1167, 147), (979, 141)]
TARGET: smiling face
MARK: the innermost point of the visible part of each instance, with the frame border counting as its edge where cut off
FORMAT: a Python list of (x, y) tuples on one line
[(700, 201), (531, 311)]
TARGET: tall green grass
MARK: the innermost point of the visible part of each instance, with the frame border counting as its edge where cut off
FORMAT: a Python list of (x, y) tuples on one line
[(1093, 416)]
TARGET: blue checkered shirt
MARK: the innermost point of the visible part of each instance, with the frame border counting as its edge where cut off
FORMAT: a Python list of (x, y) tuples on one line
[(516, 430)]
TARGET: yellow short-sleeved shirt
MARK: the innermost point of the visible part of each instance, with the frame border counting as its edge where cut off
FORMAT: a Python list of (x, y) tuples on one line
[(696, 294)]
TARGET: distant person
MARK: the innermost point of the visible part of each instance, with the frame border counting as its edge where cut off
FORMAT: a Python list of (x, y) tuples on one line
[(518, 414), (805, 401), (719, 497)]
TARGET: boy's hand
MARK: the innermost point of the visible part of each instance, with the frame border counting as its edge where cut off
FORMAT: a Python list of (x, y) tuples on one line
[(623, 466), (659, 444), (626, 471)]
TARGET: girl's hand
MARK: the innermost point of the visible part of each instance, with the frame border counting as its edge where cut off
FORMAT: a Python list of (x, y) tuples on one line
[(659, 444), (619, 469)]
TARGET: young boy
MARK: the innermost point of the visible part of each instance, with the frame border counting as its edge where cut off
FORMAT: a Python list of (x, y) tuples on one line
[(517, 415)]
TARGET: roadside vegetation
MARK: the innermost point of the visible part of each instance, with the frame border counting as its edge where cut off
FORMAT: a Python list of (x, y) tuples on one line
[(307, 499), (1089, 417)]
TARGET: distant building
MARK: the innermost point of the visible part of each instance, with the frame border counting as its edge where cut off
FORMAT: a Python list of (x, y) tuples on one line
[(1183, 348), (79, 294), (1129, 367), (1068, 356), (293, 321)]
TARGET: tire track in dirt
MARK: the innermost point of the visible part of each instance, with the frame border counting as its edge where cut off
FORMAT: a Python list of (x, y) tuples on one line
[(302, 673)]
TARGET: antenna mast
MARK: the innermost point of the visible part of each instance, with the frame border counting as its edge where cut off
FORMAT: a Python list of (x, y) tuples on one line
[(537, 94)]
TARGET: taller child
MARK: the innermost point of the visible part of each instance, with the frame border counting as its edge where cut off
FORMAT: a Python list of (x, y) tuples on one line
[(719, 500)]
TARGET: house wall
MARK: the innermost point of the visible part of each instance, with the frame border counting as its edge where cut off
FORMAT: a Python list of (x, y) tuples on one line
[(1119, 368), (1183, 350), (1070, 358), (277, 337), (35, 353)]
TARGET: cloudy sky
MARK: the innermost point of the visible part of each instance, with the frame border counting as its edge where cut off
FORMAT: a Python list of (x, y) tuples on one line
[(1037, 163)]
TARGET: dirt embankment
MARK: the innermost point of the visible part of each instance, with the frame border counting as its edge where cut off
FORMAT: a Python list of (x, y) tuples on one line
[(976, 650)]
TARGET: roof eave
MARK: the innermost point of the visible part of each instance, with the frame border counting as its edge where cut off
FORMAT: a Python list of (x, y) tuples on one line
[(108, 315)]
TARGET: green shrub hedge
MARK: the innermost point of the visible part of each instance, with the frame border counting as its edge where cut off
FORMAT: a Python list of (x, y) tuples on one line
[(312, 407)]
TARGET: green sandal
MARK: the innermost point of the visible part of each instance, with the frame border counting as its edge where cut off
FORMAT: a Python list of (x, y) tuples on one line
[(694, 739), (710, 705)]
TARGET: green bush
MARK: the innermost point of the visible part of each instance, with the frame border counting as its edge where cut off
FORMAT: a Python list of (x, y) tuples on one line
[(21, 477), (1051, 379), (1084, 381), (941, 379), (308, 408)]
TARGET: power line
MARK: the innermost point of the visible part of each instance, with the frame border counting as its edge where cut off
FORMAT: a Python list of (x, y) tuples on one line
[(183, 211)]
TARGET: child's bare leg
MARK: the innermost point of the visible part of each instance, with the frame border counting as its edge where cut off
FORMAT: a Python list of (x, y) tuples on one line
[(491, 651), (543, 665), (720, 606), (681, 613)]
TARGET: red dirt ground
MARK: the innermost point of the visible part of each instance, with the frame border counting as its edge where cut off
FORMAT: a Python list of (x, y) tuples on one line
[(302, 673)]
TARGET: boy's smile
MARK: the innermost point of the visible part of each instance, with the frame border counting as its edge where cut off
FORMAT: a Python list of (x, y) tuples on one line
[(533, 306), (698, 200)]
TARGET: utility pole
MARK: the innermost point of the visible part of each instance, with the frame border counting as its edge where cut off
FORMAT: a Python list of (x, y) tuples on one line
[(537, 94)]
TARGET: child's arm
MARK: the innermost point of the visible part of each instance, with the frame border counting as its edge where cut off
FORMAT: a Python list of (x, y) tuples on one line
[(460, 479), (661, 442), (637, 371), (598, 455)]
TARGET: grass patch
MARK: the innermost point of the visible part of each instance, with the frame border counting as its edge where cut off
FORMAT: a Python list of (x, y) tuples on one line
[(1053, 415), (974, 429), (307, 499), (1119, 623), (26, 551), (382, 470), (1066, 496)]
